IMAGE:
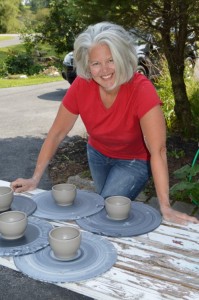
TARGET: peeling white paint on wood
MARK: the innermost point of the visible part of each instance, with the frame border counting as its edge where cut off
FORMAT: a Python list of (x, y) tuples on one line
[(160, 265)]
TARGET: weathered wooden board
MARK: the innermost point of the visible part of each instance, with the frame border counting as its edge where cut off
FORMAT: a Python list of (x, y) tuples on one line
[(160, 265)]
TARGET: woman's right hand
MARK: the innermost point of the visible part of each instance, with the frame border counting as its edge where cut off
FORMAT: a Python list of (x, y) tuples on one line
[(22, 185)]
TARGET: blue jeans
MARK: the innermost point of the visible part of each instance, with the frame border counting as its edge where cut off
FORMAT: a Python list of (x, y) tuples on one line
[(114, 176)]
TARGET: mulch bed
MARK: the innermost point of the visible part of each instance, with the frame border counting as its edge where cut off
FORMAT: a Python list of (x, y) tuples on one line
[(71, 159)]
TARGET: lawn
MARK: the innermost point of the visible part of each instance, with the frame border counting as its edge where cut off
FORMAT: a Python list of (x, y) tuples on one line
[(5, 38), (31, 80)]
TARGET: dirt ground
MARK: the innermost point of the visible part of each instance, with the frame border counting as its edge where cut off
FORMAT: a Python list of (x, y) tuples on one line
[(71, 159), (179, 153)]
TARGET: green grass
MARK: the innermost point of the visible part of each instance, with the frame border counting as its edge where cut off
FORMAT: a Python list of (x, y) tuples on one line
[(4, 52), (31, 80), (5, 38)]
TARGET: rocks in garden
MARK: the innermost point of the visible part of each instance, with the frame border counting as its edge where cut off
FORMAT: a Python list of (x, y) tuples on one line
[(70, 160)]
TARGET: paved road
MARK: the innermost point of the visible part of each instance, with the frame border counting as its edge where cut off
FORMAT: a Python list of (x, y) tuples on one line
[(26, 116), (14, 40)]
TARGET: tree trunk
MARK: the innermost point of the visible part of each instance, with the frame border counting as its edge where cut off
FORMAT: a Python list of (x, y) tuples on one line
[(182, 106), (174, 32)]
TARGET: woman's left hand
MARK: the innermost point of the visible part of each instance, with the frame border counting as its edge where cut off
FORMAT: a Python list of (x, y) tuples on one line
[(171, 215)]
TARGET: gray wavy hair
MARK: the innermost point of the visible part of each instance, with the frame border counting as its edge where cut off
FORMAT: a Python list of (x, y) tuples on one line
[(121, 46)]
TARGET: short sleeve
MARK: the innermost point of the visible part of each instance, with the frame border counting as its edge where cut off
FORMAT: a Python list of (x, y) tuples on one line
[(70, 100), (147, 97)]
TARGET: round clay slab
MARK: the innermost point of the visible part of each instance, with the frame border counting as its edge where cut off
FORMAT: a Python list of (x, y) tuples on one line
[(86, 203), (97, 256), (142, 219), (35, 238), (24, 204)]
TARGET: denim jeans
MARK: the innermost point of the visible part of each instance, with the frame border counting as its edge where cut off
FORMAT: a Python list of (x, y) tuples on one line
[(113, 176)]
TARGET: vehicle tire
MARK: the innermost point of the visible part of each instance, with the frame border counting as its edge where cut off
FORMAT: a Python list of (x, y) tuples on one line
[(142, 70), (71, 75), (64, 75)]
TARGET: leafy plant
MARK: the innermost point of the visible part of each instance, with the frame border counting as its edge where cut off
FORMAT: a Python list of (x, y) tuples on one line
[(19, 64), (164, 88), (163, 85), (193, 94), (188, 187), (176, 153), (3, 69)]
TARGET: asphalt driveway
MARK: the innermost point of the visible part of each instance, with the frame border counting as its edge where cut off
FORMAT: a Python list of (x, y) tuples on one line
[(26, 116), (14, 40)]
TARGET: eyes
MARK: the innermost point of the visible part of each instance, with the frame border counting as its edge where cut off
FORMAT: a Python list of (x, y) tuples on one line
[(97, 63), (94, 64)]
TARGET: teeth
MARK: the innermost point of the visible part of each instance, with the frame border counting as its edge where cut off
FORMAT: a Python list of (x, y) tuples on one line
[(107, 76)]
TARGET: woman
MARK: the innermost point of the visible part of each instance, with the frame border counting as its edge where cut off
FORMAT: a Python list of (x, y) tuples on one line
[(122, 114)]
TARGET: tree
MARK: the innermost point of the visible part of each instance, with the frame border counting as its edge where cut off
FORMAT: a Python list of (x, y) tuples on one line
[(171, 21), (174, 20), (61, 26), (35, 5), (8, 16)]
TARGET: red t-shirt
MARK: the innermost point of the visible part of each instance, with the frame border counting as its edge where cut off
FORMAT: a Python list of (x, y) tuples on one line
[(114, 131)]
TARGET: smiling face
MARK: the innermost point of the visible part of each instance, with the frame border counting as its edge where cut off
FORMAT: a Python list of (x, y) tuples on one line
[(101, 66)]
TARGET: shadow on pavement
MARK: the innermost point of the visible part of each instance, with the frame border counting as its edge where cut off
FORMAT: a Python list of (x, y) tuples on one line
[(18, 158), (54, 96), (17, 286)]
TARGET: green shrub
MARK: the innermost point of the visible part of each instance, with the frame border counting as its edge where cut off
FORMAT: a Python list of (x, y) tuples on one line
[(3, 69), (164, 88), (193, 95), (36, 69), (22, 64), (186, 188)]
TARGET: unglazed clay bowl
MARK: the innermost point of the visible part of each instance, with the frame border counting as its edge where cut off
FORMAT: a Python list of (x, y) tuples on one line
[(64, 193), (6, 197), (118, 207), (65, 242), (13, 224)]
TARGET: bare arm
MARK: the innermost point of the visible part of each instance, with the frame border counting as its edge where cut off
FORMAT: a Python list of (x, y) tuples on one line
[(154, 131), (62, 124)]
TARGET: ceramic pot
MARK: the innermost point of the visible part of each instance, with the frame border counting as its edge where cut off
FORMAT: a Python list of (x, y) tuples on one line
[(65, 241), (118, 207), (6, 197), (13, 224), (64, 193)]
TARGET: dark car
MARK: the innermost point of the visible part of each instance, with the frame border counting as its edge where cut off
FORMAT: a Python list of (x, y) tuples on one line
[(146, 52), (68, 72)]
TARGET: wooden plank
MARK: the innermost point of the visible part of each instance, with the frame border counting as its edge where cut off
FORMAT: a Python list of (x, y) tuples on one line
[(97, 288), (147, 249), (127, 282), (121, 283), (172, 241), (190, 231), (7, 262), (159, 261), (163, 264), (153, 270), (126, 285)]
